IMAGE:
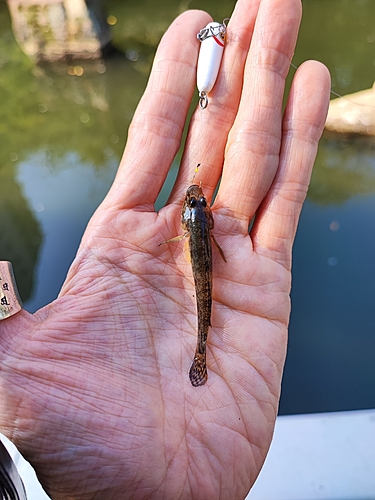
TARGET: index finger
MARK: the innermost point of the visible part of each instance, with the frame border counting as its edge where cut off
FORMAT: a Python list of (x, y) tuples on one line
[(155, 133)]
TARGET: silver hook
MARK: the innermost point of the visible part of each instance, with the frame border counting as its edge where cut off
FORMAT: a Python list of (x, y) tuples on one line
[(225, 22)]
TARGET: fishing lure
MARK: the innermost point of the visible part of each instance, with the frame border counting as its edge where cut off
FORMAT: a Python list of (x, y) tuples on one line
[(212, 39)]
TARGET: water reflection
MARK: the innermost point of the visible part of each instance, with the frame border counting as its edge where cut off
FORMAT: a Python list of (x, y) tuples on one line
[(80, 112), (61, 199), (53, 31), (344, 168), (64, 130), (21, 235)]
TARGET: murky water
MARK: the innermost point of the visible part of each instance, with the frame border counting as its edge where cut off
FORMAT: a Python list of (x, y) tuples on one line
[(63, 128)]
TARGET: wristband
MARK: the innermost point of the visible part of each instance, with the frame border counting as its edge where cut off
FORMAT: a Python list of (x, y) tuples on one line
[(10, 301)]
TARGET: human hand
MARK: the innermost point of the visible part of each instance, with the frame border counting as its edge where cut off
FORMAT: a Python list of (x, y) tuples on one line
[(94, 387)]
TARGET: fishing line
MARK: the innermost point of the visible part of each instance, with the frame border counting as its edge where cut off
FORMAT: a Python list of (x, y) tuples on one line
[(336, 94)]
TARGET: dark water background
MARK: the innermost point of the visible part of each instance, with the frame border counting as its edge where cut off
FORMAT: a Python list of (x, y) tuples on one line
[(61, 139)]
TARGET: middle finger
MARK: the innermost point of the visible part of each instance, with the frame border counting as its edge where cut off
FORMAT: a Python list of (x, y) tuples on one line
[(253, 148)]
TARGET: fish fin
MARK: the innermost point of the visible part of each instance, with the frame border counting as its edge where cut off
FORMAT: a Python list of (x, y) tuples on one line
[(218, 247), (198, 370), (176, 239), (187, 254)]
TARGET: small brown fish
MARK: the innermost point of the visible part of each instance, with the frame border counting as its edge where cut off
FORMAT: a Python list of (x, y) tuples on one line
[(197, 222)]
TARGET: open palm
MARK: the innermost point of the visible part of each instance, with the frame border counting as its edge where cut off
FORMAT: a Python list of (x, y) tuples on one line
[(94, 387)]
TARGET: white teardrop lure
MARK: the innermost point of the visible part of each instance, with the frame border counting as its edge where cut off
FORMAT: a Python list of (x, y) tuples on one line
[(212, 39)]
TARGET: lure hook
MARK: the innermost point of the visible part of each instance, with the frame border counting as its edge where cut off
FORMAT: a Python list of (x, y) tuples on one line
[(225, 22)]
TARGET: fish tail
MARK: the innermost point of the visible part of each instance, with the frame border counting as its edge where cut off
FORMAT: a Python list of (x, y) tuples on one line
[(198, 370)]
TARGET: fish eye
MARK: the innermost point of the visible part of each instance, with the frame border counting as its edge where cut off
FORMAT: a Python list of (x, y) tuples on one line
[(192, 202), (203, 201)]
